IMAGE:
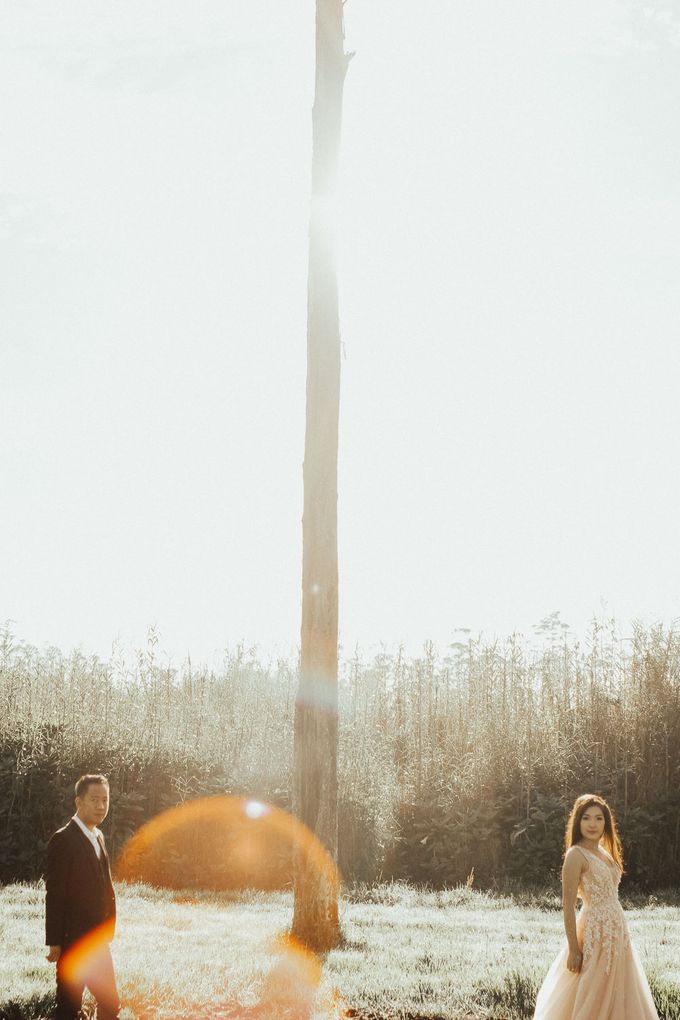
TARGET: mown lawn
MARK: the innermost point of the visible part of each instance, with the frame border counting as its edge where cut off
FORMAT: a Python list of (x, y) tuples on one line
[(452, 954)]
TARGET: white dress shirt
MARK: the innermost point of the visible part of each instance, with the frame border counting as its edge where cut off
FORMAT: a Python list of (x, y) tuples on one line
[(93, 835)]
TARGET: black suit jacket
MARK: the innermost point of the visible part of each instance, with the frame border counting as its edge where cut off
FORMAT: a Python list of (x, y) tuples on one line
[(79, 892)]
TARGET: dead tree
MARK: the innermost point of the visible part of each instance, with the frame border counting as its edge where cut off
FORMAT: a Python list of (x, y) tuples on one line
[(315, 919)]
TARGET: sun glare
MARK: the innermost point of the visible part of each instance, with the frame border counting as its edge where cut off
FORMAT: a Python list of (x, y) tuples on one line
[(221, 843), (231, 843), (254, 809)]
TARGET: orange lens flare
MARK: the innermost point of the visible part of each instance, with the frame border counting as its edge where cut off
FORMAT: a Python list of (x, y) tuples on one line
[(222, 843), (227, 843), (83, 961), (292, 983)]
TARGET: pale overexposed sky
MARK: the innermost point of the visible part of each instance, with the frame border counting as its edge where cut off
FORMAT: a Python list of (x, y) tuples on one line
[(509, 264)]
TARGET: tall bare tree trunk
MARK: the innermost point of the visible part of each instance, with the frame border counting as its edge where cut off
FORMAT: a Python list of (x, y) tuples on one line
[(315, 918)]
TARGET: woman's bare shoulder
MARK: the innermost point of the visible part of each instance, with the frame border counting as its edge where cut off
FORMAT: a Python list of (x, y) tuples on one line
[(575, 857)]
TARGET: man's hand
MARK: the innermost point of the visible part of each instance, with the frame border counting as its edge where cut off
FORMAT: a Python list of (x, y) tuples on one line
[(54, 954)]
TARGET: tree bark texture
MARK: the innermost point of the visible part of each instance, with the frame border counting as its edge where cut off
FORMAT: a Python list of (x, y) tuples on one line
[(315, 919)]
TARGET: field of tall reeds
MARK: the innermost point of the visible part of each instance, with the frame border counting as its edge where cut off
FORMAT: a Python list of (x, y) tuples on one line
[(458, 764)]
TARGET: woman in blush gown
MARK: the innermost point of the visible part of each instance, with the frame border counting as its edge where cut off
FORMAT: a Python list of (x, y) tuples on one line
[(598, 974)]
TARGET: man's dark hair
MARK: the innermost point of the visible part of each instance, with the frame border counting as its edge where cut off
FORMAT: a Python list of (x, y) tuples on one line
[(88, 780)]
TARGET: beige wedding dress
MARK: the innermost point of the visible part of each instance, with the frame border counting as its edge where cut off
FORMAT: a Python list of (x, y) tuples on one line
[(611, 984)]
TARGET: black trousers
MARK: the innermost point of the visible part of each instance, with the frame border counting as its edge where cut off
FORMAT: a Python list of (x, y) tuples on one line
[(98, 976)]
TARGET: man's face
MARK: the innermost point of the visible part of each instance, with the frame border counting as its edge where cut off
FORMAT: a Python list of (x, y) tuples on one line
[(93, 806)]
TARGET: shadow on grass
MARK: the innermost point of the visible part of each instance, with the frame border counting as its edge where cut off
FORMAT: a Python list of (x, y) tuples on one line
[(543, 897), (360, 1014), (666, 998), (33, 1007), (514, 998)]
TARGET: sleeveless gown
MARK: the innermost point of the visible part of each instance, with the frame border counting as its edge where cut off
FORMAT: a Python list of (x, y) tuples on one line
[(611, 984)]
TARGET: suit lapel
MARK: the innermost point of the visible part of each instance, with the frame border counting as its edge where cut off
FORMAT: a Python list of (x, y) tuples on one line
[(87, 847)]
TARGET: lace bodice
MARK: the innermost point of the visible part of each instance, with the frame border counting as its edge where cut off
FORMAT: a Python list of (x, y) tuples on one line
[(603, 920)]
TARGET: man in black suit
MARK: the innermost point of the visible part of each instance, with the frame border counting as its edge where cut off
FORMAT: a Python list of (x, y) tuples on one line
[(80, 901)]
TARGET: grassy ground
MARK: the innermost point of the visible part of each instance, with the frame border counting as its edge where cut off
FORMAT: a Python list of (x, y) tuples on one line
[(452, 954)]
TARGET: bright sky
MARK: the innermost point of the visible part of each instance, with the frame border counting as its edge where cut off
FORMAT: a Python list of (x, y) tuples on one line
[(510, 216)]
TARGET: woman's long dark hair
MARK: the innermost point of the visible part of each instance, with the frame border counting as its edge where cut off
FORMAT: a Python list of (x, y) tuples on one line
[(610, 836)]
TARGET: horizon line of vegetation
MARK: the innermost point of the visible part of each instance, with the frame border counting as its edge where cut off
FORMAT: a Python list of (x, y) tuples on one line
[(447, 763)]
